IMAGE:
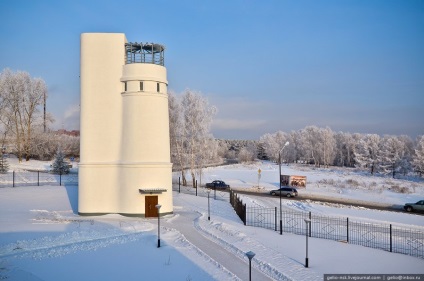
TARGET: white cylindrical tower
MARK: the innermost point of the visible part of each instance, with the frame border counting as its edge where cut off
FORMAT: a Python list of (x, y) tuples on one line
[(146, 169), (125, 162)]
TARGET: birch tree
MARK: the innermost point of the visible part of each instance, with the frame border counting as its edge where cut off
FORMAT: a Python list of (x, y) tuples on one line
[(328, 145), (12, 92), (192, 144), (21, 97), (176, 134), (311, 144), (197, 121)]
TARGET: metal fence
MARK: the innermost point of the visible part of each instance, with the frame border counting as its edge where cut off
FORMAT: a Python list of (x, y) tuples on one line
[(238, 206), (379, 236), (37, 178)]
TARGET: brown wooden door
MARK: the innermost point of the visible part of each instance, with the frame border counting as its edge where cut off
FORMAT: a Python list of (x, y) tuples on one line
[(150, 206)]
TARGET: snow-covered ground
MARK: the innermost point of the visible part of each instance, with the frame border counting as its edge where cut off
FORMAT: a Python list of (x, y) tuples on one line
[(42, 237), (332, 182), (336, 183)]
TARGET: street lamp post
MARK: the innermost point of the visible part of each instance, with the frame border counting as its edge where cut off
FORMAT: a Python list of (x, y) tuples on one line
[(279, 179), (158, 207), (308, 223), (250, 255), (209, 209)]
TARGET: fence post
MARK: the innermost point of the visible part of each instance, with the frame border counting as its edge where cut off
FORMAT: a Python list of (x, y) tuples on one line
[(214, 194), (244, 209), (179, 184), (38, 178), (275, 218), (196, 187), (231, 198), (391, 238), (13, 179), (347, 230), (310, 225), (60, 178)]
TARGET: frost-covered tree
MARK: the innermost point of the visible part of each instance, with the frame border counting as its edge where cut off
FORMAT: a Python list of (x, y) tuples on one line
[(197, 121), (21, 96), (176, 134), (390, 153), (292, 150), (405, 163), (345, 147), (208, 154), (312, 144), (248, 153), (273, 143), (367, 152), (190, 121), (60, 166), (418, 158), (44, 145), (328, 145)]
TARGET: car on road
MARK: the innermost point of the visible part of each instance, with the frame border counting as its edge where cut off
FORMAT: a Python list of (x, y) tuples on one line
[(411, 207), (285, 191), (217, 184)]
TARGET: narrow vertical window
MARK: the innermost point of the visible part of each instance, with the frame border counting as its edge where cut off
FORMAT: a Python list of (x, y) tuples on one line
[(157, 87), (125, 86), (141, 86)]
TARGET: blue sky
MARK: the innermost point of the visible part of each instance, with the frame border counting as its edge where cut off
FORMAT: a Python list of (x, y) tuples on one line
[(355, 66)]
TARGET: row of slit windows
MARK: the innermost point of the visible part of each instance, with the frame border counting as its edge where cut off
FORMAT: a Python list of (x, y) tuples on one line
[(142, 86)]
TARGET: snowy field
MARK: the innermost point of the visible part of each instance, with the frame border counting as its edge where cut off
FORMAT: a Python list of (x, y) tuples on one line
[(42, 237)]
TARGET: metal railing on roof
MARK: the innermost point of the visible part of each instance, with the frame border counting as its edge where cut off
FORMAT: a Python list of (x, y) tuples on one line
[(144, 53)]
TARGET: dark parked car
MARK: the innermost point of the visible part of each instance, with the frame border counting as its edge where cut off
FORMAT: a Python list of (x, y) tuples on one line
[(410, 207), (285, 191), (217, 184)]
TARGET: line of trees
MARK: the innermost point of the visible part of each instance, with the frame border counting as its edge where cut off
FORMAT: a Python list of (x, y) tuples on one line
[(322, 147), (23, 128)]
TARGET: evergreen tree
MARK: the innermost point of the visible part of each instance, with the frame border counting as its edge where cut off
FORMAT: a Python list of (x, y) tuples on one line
[(4, 166), (60, 166)]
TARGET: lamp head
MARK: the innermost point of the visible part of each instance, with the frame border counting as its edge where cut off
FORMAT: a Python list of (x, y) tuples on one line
[(250, 255)]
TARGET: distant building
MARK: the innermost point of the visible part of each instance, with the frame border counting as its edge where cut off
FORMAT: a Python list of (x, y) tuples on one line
[(125, 162)]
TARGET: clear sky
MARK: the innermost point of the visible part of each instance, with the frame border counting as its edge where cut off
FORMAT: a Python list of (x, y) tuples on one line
[(355, 66)]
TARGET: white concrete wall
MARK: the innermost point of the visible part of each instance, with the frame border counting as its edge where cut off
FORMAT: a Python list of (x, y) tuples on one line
[(102, 56)]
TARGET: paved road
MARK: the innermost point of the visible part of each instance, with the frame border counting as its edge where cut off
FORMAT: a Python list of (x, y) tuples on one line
[(319, 198), (184, 223), (347, 202)]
